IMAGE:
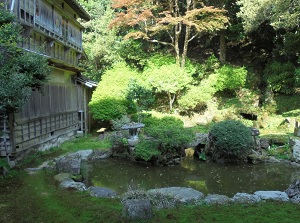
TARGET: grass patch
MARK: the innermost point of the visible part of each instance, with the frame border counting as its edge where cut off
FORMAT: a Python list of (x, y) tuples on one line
[(36, 198)]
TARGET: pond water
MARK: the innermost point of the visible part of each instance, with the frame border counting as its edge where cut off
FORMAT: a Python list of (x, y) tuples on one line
[(209, 178)]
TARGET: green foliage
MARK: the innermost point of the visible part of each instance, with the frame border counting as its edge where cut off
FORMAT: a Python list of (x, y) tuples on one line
[(139, 98), (109, 99), (118, 123), (168, 132), (100, 43), (282, 152), (291, 42), (198, 96), (231, 139), (108, 108), (281, 77), (280, 14), (20, 71), (159, 60), (211, 78), (173, 80), (134, 53), (146, 150), (230, 77)]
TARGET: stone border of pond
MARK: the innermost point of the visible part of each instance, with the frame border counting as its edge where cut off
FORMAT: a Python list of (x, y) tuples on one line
[(71, 164)]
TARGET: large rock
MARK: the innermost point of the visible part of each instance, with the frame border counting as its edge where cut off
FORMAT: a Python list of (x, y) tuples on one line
[(264, 143), (217, 199), (71, 163), (83, 154), (137, 209), (294, 191), (272, 195), (69, 184), (244, 198), (295, 146), (68, 164), (183, 195), (100, 154), (200, 138), (101, 192)]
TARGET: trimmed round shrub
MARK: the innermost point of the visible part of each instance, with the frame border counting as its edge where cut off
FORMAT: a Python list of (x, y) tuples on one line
[(229, 141)]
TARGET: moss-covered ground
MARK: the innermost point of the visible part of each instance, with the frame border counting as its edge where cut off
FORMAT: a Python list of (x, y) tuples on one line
[(35, 198)]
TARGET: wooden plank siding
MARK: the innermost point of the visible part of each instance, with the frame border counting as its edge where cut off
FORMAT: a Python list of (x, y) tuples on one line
[(43, 129)]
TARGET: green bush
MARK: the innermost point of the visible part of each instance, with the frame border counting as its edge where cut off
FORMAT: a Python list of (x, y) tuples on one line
[(146, 150), (198, 96), (109, 99), (230, 139), (281, 77), (169, 133), (230, 77)]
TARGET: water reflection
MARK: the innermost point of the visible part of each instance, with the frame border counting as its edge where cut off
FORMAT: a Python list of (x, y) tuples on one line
[(208, 178)]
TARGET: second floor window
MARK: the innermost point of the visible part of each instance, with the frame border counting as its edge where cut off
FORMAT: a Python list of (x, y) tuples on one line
[(65, 27)]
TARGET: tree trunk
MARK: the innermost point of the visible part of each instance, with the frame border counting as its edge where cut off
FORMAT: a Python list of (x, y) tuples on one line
[(171, 100), (222, 46), (185, 46), (176, 43)]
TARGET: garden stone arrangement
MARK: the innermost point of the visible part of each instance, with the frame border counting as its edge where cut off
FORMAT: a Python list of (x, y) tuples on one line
[(138, 204)]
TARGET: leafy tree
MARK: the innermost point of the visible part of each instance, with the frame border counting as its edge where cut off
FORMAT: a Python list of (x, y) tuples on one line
[(139, 97), (20, 71), (197, 96), (100, 43), (180, 21), (281, 77), (170, 80), (280, 13)]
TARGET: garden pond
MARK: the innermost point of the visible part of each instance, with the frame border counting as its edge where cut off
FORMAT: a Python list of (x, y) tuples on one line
[(209, 178)]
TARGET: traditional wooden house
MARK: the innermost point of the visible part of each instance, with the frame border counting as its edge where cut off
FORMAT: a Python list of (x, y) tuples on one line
[(50, 28)]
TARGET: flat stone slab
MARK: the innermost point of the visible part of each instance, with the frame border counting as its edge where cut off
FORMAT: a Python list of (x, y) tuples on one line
[(272, 195), (63, 177), (101, 192), (184, 195), (244, 198)]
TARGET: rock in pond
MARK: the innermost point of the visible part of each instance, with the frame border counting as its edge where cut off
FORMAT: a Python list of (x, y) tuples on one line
[(69, 184), (183, 195)]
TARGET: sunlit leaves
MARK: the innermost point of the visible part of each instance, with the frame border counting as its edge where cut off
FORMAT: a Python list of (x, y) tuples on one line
[(279, 13)]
